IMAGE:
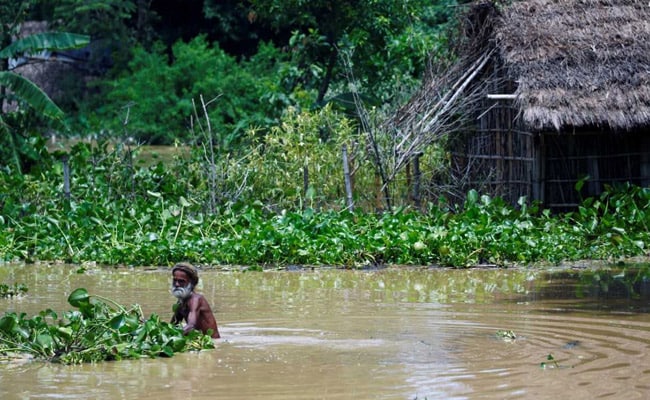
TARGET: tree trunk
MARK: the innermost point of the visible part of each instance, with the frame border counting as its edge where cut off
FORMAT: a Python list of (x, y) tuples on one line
[(331, 63)]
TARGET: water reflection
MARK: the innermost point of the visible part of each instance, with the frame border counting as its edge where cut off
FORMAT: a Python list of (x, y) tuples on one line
[(388, 334), (617, 289)]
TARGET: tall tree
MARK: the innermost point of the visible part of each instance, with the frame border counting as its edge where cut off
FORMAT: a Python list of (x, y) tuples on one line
[(388, 38)]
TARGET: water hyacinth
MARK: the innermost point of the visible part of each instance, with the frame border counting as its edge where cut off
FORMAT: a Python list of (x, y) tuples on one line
[(99, 329)]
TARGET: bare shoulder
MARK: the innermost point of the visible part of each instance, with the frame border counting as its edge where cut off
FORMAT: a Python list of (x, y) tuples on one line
[(198, 300), (194, 301)]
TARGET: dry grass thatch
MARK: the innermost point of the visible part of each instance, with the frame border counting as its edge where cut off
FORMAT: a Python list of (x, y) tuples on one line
[(578, 62)]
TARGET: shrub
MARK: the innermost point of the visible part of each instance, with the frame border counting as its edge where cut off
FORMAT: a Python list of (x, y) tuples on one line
[(153, 100)]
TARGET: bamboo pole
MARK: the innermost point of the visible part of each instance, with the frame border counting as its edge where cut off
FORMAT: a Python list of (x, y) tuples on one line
[(417, 176), (346, 175)]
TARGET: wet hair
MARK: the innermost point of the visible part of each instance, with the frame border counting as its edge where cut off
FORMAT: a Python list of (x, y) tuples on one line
[(189, 269)]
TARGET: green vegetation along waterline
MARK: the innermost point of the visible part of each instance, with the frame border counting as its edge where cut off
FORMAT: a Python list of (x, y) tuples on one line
[(118, 214)]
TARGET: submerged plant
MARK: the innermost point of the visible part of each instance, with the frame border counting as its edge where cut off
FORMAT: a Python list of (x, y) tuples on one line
[(16, 289), (506, 336), (99, 330), (550, 364)]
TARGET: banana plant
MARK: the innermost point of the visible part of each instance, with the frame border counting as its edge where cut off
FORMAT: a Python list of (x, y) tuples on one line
[(24, 89)]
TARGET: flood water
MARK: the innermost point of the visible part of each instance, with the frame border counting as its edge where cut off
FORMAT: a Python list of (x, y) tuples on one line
[(385, 334)]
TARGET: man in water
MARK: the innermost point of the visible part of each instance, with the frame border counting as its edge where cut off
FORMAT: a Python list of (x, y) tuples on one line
[(191, 307)]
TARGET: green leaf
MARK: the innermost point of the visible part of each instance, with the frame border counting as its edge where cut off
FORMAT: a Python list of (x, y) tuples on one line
[(117, 321), (131, 322), (79, 297), (65, 332), (178, 344), (87, 309), (31, 94), (24, 333), (45, 341), (45, 41), (166, 350), (7, 323), (48, 313)]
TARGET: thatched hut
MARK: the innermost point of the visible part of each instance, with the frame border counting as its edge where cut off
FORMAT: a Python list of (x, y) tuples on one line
[(565, 96)]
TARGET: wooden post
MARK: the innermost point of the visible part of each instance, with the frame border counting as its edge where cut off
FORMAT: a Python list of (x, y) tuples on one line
[(305, 182), (346, 175), (417, 176)]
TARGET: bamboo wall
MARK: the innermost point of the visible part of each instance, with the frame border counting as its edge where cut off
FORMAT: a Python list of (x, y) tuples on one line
[(501, 158), (504, 161), (607, 158)]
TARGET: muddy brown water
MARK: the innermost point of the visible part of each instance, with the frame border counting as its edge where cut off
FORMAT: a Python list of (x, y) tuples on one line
[(333, 334)]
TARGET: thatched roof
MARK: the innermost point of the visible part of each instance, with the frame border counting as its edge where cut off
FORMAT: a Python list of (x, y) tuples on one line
[(578, 62)]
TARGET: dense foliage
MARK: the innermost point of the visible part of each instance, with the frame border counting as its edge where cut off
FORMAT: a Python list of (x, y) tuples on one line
[(389, 40), (98, 330), (260, 57), (153, 215), (247, 94)]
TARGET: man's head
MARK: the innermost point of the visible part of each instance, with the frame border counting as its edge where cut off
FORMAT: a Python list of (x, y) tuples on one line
[(184, 279)]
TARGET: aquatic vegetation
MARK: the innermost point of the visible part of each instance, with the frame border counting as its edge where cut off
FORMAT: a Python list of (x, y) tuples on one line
[(17, 289), (506, 335), (98, 330), (549, 363), (155, 216)]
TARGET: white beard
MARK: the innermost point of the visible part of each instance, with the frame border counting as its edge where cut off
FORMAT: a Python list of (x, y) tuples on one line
[(182, 293)]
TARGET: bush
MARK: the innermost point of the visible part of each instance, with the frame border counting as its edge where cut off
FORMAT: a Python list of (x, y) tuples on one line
[(153, 100)]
